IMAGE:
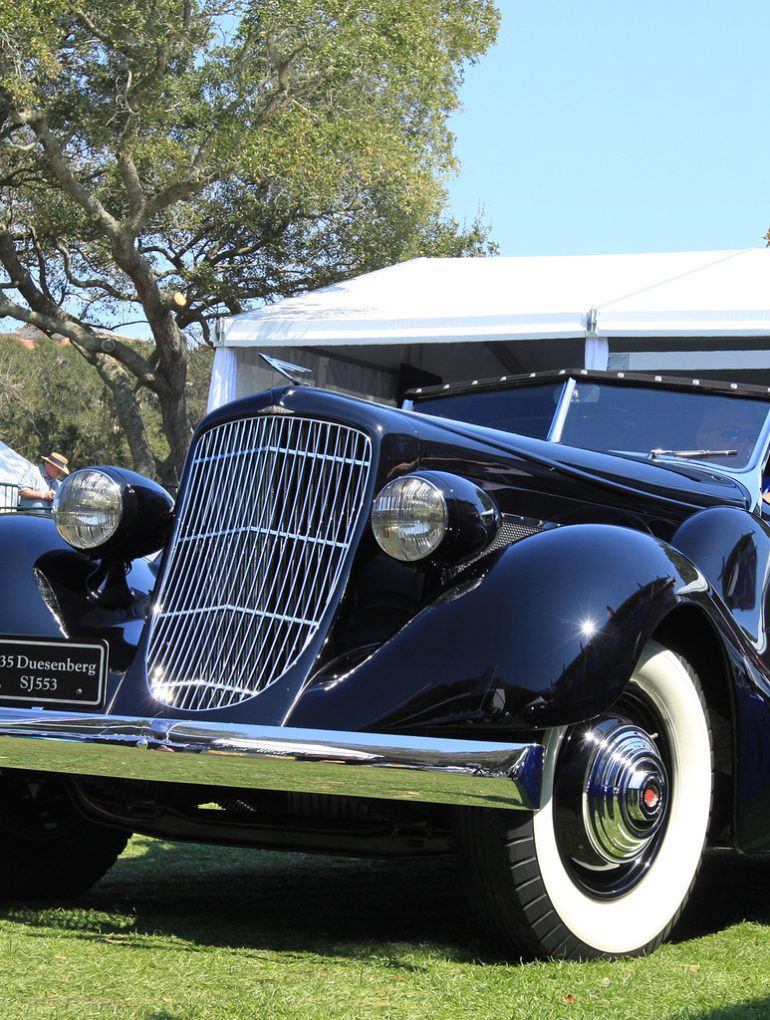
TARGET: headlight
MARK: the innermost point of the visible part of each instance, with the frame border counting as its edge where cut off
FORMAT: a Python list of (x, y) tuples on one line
[(88, 508), (409, 518), (436, 514), (108, 511)]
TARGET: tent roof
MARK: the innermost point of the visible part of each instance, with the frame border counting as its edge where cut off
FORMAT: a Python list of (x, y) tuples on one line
[(677, 294)]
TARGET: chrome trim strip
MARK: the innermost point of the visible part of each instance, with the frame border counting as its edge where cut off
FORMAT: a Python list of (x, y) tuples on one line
[(381, 765), (560, 415)]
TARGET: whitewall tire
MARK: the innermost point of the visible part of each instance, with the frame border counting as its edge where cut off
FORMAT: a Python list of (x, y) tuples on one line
[(607, 864)]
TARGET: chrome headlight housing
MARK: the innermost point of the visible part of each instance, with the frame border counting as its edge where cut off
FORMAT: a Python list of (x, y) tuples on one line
[(433, 514), (88, 508), (108, 510), (410, 518)]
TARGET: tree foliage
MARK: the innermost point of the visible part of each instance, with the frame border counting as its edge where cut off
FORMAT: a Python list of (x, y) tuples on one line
[(182, 158)]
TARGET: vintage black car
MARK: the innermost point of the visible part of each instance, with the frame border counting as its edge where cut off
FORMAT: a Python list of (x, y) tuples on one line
[(522, 621)]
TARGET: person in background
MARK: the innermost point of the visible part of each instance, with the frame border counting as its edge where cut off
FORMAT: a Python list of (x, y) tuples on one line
[(38, 485)]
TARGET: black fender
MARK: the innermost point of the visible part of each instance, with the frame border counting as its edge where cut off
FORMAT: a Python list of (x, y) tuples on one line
[(46, 592), (24, 540), (548, 635), (732, 549)]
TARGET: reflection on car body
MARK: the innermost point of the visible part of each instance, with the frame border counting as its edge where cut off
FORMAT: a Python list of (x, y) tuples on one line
[(520, 620)]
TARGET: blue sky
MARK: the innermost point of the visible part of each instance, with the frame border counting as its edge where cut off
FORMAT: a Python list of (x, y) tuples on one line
[(608, 126)]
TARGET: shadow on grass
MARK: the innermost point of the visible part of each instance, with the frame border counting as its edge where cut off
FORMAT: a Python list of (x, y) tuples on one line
[(262, 901), (224, 897), (730, 889), (757, 1009)]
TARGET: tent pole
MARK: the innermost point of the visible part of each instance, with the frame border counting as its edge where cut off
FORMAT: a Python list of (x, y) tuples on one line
[(597, 348)]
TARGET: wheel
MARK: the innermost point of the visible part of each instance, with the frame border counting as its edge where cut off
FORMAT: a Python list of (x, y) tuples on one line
[(607, 864), (47, 850)]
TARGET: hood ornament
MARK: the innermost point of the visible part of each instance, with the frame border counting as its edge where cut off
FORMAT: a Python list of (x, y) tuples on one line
[(286, 369)]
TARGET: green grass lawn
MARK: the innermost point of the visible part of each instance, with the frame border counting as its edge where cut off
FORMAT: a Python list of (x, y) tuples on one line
[(205, 932)]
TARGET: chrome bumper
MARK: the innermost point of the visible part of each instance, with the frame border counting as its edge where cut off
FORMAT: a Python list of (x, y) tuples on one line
[(380, 765)]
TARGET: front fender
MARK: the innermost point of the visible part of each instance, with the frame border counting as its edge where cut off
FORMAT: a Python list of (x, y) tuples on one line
[(549, 635), (25, 541), (46, 594), (731, 547)]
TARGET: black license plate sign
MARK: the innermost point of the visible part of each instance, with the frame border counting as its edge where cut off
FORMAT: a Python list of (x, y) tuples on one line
[(44, 672)]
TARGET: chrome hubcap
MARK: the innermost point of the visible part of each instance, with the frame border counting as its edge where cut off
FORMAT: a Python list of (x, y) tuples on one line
[(625, 795)]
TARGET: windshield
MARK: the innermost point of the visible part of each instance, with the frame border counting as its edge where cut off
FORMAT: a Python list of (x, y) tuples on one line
[(528, 410), (703, 426)]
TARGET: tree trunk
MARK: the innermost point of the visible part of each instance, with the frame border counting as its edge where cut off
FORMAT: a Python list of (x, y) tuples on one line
[(171, 369), (120, 383), (171, 380)]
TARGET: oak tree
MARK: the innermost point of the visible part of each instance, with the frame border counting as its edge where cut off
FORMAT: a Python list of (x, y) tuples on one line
[(176, 160)]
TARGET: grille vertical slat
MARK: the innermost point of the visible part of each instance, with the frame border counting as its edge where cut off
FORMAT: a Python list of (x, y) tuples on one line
[(198, 579), (265, 644), (261, 540)]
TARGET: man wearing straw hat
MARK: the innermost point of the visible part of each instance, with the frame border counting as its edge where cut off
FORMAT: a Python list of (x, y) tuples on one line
[(38, 485)]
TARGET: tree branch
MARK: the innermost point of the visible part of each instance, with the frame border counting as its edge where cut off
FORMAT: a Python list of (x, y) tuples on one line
[(50, 318), (178, 192), (91, 284), (39, 301), (90, 26), (134, 191), (173, 257), (64, 174), (41, 267), (84, 338)]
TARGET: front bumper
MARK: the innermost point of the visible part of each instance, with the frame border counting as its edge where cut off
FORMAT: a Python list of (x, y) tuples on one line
[(380, 765)]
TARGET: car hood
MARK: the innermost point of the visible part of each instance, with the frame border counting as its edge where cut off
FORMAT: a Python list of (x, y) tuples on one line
[(683, 482), (687, 485)]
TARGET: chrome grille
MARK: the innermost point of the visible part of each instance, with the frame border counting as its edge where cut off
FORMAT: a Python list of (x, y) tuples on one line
[(262, 534)]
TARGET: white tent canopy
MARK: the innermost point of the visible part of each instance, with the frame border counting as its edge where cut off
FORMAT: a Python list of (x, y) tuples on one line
[(469, 318), (12, 465)]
